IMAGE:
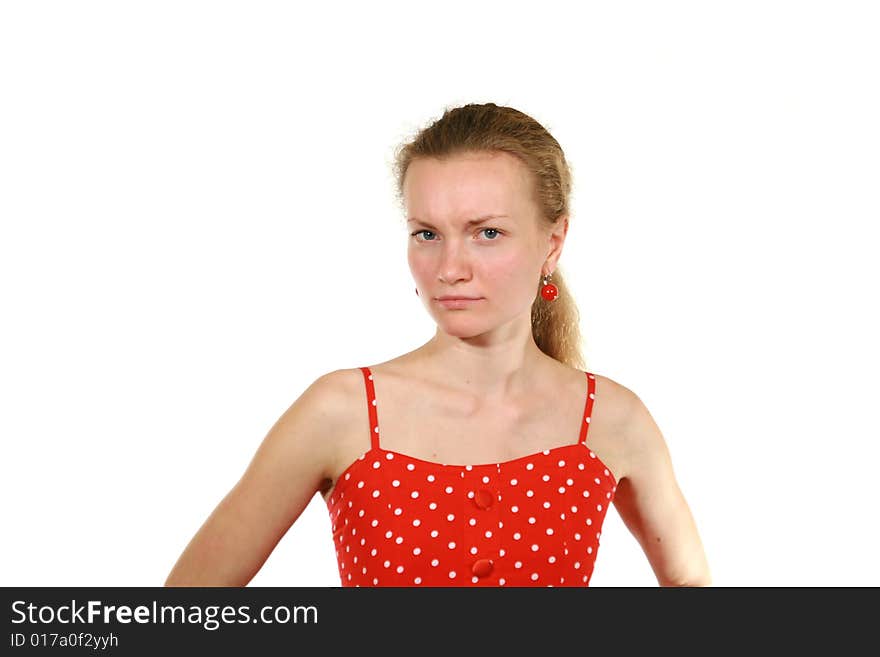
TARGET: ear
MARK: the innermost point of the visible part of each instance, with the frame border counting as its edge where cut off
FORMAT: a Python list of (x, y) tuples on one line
[(556, 239)]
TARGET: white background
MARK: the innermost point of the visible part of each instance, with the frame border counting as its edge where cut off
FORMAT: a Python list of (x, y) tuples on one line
[(198, 220)]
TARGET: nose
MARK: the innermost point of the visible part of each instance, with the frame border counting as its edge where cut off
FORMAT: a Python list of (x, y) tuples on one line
[(454, 263)]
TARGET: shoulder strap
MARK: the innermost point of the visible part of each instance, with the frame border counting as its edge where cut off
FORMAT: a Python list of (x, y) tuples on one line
[(588, 407), (371, 407)]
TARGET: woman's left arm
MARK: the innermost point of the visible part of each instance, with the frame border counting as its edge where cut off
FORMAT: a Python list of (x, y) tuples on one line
[(652, 506)]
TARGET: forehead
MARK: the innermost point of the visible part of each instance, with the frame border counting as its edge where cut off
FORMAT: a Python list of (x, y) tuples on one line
[(467, 186)]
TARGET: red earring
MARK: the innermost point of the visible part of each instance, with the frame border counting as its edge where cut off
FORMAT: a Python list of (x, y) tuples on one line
[(549, 291)]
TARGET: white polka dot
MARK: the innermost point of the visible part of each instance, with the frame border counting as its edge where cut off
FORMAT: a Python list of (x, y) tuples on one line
[(551, 560), (449, 489), (589, 550), (546, 505), (532, 521), (473, 550), (418, 580), (360, 484), (546, 477), (577, 564), (569, 481), (549, 531), (517, 536), (387, 563), (598, 507), (432, 506), (518, 564), (451, 545), (451, 574), (514, 508), (561, 489), (534, 547), (450, 517), (485, 479), (375, 493), (434, 533), (434, 562), (410, 466), (398, 540), (374, 522), (430, 477), (586, 493), (530, 466), (546, 452), (534, 576), (376, 464), (388, 455), (529, 493), (561, 463), (513, 482), (389, 534), (474, 579), (416, 522), (417, 551), (472, 522), (398, 511), (488, 533), (400, 569), (375, 581), (501, 581), (414, 494), (395, 483)]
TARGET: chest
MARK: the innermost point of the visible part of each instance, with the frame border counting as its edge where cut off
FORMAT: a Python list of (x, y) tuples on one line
[(440, 427), (454, 431)]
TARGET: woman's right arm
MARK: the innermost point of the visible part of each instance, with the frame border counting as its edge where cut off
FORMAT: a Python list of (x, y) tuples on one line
[(289, 466)]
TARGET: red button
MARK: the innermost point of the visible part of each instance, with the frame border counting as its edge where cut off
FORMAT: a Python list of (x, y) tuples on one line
[(482, 567), (483, 498)]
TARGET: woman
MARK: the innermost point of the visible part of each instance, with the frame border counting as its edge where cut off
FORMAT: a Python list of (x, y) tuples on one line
[(498, 455)]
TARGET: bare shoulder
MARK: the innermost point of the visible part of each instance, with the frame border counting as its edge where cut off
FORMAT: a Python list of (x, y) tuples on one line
[(619, 424), (617, 401), (338, 402)]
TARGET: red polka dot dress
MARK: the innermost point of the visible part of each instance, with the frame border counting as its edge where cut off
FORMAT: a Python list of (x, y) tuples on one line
[(532, 521)]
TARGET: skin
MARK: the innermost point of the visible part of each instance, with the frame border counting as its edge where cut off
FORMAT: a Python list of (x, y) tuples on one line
[(482, 358)]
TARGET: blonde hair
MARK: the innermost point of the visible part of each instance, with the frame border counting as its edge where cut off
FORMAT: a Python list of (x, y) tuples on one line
[(489, 127)]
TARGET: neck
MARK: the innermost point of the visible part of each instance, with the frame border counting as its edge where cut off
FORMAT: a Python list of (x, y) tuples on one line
[(489, 369)]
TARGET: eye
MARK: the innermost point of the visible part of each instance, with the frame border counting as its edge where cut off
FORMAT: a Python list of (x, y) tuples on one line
[(494, 231)]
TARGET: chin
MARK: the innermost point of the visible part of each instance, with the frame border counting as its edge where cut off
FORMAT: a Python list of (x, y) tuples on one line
[(461, 329)]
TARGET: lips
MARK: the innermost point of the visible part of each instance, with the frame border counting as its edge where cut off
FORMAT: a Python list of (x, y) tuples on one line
[(457, 298)]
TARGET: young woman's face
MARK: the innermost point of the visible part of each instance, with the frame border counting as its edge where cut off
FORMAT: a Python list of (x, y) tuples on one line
[(496, 262)]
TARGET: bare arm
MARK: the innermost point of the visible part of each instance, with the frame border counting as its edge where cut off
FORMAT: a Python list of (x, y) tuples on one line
[(287, 469), (653, 507)]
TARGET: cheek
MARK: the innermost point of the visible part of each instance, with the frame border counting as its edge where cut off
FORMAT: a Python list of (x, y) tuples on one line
[(511, 269), (418, 266)]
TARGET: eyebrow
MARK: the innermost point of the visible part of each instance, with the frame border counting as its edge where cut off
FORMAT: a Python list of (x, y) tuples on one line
[(472, 222)]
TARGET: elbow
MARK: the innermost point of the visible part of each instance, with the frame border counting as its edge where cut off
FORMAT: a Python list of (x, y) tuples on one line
[(702, 578)]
